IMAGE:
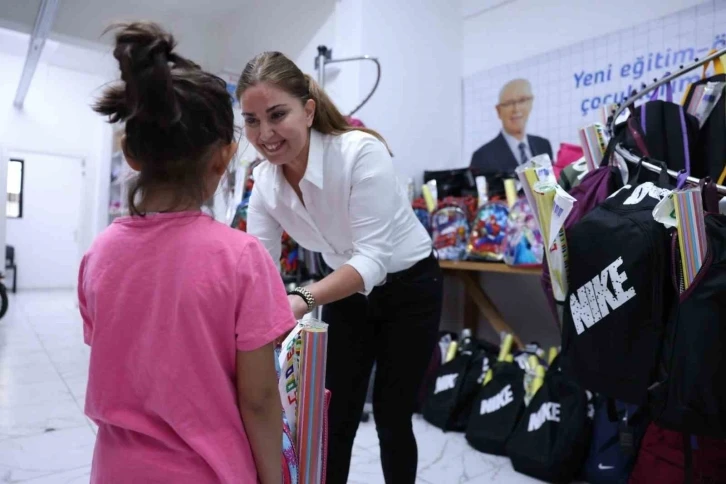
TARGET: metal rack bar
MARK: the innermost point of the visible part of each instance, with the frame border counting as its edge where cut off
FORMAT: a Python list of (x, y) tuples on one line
[(657, 169), (324, 58)]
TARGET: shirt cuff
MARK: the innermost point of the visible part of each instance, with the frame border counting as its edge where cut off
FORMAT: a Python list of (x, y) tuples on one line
[(370, 270)]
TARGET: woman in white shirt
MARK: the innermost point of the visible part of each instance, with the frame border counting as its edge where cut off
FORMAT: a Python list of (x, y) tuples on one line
[(334, 190)]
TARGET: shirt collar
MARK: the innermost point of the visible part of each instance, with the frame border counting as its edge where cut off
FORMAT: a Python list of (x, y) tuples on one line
[(514, 142), (316, 154)]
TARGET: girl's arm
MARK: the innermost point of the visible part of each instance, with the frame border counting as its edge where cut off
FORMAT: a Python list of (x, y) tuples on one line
[(261, 410)]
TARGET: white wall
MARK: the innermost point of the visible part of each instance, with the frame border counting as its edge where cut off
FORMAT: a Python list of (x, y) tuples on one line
[(56, 119), (418, 104), (520, 29)]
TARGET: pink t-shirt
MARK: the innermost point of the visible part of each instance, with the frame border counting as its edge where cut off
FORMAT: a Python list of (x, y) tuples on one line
[(167, 301)]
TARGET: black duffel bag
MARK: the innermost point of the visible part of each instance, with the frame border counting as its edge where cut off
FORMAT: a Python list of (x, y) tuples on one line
[(551, 440), (497, 409), (451, 394)]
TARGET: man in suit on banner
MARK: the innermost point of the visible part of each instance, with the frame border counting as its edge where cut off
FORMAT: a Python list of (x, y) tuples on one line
[(513, 146)]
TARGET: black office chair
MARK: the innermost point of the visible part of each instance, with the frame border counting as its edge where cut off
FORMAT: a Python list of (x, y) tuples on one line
[(10, 264)]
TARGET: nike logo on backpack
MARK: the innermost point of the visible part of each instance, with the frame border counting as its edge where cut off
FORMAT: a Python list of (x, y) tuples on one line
[(605, 468), (498, 401), (594, 300), (446, 382)]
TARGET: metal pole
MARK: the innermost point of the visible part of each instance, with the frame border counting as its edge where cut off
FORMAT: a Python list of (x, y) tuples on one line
[(657, 169), (320, 61)]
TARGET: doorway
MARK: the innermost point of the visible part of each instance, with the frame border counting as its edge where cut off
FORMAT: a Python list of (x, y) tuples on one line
[(44, 227)]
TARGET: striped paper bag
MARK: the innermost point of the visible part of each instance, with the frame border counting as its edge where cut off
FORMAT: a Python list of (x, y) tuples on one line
[(312, 402)]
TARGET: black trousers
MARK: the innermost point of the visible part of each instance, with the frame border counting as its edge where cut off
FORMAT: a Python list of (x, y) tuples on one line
[(396, 327)]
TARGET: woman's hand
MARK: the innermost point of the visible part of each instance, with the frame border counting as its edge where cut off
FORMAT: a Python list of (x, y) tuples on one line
[(298, 305)]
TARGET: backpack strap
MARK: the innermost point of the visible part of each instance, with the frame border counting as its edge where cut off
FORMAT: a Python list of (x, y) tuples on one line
[(687, 459), (710, 195)]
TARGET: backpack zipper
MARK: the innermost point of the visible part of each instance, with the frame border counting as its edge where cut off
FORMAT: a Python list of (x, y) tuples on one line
[(678, 268)]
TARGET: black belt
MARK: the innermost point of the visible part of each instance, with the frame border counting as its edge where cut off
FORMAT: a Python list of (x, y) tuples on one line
[(415, 270)]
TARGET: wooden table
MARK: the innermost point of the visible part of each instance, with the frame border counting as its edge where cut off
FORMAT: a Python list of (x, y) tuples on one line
[(468, 273)]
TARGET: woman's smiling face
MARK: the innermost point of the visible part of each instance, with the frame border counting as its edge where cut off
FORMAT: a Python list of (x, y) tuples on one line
[(276, 123)]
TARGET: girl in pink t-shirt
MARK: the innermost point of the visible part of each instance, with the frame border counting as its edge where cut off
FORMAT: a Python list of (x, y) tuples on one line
[(180, 311)]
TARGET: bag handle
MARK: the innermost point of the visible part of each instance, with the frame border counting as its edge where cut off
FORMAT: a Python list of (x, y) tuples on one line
[(710, 194), (717, 64)]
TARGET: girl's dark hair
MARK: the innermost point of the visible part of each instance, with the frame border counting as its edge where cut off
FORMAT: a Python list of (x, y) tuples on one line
[(176, 115), (275, 68)]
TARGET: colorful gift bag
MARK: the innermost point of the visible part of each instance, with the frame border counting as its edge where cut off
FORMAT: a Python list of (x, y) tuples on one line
[(523, 243), (488, 232), (450, 231), (289, 457)]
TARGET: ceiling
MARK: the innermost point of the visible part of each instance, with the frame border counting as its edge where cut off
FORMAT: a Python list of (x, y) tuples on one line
[(219, 34)]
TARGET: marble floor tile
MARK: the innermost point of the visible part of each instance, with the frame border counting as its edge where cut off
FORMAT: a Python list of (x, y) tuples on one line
[(38, 418), (46, 439), (42, 456)]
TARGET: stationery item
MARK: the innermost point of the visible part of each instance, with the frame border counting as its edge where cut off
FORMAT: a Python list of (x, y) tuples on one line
[(509, 358), (506, 347), (552, 355), (594, 141), (482, 190), (704, 100), (554, 205), (488, 377), (430, 199), (289, 382), (311, 396), (538, 379), (535, 170), (451, 352), (691, 231), (510, 191)]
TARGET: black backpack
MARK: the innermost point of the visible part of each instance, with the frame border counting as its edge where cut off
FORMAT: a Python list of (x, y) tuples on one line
[(497, 410), (618, 286), (452, 393), (691, 393), (550, 442)]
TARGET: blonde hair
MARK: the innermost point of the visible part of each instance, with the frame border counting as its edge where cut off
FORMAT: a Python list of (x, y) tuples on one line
[(275, 68)]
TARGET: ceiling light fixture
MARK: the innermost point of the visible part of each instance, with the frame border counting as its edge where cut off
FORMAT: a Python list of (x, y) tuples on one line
[(41, 30)]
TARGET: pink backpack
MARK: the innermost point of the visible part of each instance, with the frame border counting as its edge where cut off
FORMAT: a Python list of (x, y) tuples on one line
[(566, 155)]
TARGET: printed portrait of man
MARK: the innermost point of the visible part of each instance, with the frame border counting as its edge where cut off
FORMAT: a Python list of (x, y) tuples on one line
[(513, 146)]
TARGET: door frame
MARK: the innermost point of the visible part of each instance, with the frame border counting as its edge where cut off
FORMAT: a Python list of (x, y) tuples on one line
[(6, 153)]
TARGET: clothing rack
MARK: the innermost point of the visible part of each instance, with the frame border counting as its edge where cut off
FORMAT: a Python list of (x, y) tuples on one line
[(626, 154), (324, 58), (648, 89)]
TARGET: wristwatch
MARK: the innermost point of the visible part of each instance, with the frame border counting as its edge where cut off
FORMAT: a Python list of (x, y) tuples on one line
[(305, 295)]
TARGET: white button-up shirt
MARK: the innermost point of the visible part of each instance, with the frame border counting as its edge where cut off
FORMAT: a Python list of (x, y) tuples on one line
[(355, 212)]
